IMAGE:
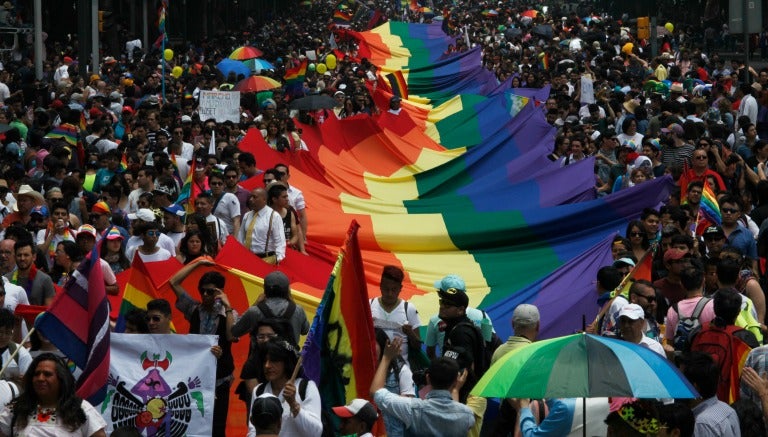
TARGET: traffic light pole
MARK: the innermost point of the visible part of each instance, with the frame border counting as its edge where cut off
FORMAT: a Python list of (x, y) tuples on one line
[(94, 36)]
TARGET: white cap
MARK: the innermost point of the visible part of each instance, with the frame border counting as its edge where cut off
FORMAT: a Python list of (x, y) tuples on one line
[(632, 311), (143, 214)]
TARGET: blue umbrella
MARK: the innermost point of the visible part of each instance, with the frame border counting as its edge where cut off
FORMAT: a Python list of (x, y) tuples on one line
[(227, 66), (259, 64)]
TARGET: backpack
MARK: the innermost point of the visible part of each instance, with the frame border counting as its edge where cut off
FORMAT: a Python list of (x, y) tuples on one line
[(283, 320), (482, 350), (688, 327), (728, 352)]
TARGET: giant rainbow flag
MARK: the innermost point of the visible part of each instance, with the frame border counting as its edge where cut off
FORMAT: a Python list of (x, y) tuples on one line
[(458, 182)]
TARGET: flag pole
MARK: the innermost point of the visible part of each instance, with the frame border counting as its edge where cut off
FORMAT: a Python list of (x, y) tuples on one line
[(16, 352)]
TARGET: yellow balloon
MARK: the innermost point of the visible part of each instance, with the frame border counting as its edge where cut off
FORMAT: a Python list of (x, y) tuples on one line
[(330, 61), (670, 27), (322, 68), (177, 71), (627, 49), (168, 54)]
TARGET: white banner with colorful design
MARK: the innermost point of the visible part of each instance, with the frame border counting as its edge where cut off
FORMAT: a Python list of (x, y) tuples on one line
[(161, 384)]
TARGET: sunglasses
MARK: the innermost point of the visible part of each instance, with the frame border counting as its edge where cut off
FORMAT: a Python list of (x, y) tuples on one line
[(153, 318), (231, 176), (701, 157), (265, 336), (651, 298), (153, 233), (445, 303), (208, 290), (215, 183), (729, 210)]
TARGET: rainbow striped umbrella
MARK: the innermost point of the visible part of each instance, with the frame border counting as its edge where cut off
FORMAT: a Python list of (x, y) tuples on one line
[(245, 52), (584, 366), (257, 83)]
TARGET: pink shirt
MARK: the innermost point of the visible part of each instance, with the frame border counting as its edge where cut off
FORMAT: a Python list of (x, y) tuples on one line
[(686, 307)]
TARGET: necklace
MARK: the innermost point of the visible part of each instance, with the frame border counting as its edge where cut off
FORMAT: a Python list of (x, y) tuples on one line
[(46, 414)]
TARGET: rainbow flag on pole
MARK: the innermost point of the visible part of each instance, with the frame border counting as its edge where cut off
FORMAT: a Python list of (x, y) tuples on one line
[(339, 354), (294, 79), (709, 211)]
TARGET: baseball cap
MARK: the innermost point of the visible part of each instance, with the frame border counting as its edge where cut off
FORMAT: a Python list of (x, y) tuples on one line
[(621, 262), (277, 280), (713, 231), (674, 254), (186, 119), (675, 128), (114, 234), (101, 207), (86, 230), (526, 314), (143, 214), (40, 210), (451, 281), (632, 311), (359, 408), (454, 296), (175, 210), (395, 99), (266, 409)]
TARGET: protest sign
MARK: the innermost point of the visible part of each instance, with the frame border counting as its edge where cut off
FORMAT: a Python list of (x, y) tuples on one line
[(220, 105)]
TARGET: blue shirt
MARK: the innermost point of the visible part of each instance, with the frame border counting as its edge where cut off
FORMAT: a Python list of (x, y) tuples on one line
[(436, 415), (715, 418), (557, 423)]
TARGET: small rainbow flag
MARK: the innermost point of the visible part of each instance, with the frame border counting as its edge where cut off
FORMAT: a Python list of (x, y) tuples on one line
[(544, 60), (123, 164), (398, 83), (342, 18), (709, 211), (294, 79), (186, 195)]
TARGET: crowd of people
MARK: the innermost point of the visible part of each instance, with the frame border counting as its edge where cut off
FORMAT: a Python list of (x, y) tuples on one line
[(685, 112)]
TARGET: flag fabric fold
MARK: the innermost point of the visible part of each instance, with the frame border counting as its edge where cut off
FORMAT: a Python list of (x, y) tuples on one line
[(77, 323), (709, 211), (398, 84)]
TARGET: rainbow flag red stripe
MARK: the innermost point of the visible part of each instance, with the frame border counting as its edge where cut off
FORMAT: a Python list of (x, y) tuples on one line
[(544, 60), (398, 84)]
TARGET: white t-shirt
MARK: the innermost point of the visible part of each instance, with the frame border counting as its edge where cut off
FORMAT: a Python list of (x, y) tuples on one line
[(392, 323), (227, 209), (653, 345), (160, 255), (163, 241), (15, 368)]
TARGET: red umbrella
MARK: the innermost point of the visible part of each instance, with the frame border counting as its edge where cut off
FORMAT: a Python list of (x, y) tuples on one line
[(245, 52), (530, 13), (257, 83)]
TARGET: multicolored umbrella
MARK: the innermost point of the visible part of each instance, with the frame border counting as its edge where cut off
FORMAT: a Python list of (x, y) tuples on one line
[(245, 52), (584, 365), (257, 83)]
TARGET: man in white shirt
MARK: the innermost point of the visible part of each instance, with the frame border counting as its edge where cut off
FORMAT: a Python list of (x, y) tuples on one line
[(204, 207), (393, 315), (260, 222), (748, 105), (295, 198), (147, 216), (62, 72), (632, 328), (145, 180)]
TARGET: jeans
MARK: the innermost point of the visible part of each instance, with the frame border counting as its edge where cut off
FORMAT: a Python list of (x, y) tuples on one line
[(393, 425)]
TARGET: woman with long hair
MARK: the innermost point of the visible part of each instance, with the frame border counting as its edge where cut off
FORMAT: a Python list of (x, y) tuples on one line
[(191, 247), (638, 239), (197, 222), (48, 404), (300, 398), (113, 251)]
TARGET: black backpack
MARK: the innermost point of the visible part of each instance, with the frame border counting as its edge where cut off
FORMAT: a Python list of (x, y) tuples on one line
[(283, 320), (688, 327)]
